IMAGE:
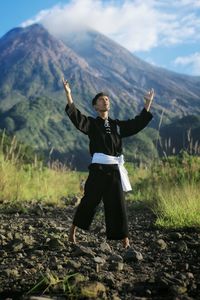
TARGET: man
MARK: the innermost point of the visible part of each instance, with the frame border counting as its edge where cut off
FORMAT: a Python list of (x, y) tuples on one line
[(107, 179)]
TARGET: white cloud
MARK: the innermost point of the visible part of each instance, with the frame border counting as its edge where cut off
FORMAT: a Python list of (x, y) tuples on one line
[(137, 25), (191, 62), (188, 3)]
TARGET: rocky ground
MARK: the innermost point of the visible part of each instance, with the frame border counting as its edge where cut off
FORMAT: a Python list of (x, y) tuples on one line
[(34, 250)]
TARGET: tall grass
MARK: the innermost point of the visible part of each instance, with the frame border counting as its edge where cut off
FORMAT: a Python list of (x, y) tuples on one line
[(179, 206), (170, 187), (27, 181)]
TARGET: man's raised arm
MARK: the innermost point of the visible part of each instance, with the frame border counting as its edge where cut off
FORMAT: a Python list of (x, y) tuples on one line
[(67, 91), (132, 126), (80, 121)]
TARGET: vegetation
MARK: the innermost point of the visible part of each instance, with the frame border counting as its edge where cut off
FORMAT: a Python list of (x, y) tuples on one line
[(50, 282), (169, 186), (27, 179)]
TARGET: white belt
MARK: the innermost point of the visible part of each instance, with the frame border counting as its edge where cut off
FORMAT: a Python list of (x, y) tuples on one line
[(102, 158)]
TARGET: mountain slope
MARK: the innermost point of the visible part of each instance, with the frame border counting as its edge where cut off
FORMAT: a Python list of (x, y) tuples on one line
[(32, 100), (174, 92), (32, 63)]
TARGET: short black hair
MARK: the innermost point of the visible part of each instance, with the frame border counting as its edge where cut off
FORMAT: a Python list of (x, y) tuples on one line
[(94, 100)]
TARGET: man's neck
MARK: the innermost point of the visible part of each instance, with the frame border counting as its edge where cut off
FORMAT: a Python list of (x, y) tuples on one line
[(103, 115)]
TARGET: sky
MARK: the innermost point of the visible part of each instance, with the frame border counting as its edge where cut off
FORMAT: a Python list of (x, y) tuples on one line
[(165, 33)]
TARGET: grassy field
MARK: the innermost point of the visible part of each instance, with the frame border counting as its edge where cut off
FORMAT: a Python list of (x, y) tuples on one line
[(21, 181), (170, 187)]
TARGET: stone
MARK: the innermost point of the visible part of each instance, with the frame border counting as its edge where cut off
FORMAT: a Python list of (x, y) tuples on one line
[(116, 266), (54, 243), (83, 251), (132, 255), (190, 275), (161, 244), (17, 235), (176, 289), (99, 260), (175, 236), (72, 264), (18, 245), (182, 246), (2, 237), (93, 290), (105, 247), (115, 257), (28, 240), (11, 272)]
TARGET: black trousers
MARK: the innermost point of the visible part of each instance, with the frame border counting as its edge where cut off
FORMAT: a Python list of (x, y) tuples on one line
[(103, 183)]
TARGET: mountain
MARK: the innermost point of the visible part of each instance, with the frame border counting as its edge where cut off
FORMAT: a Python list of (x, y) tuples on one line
[(32, 62), (32, 100), (178, 94)]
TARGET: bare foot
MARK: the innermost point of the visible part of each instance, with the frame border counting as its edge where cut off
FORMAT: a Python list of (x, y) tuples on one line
[(72, 236), (126, 243), (72, 239)]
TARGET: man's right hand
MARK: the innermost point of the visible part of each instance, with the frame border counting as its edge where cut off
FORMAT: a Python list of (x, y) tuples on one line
[(66, 86)]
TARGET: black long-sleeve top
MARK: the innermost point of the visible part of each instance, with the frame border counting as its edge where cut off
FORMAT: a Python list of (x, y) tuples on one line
[(102, 140)]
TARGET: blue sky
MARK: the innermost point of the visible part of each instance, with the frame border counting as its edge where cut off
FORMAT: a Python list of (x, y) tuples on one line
[(164, 33)]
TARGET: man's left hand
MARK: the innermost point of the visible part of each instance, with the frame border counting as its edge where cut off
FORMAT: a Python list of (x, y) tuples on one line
[(149, 98)]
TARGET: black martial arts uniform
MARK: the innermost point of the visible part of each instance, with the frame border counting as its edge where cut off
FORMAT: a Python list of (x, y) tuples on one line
[(104, 182)]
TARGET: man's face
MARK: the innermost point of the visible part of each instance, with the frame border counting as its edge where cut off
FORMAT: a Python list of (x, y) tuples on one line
[(102, 103)]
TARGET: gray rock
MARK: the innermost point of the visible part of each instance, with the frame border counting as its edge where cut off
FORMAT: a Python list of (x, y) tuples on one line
[(10, 235), (93, 290), (105, 247), (161, 244), (132, 255), (54, 243), (72, 264), (2, 237), (190, 275), (115, 257), (99, 260), (17, 245), (17, 235), (116, 266), (28, 240), (175, 236), (177, 289), (182, 246), (11, 272), (83, 251)]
